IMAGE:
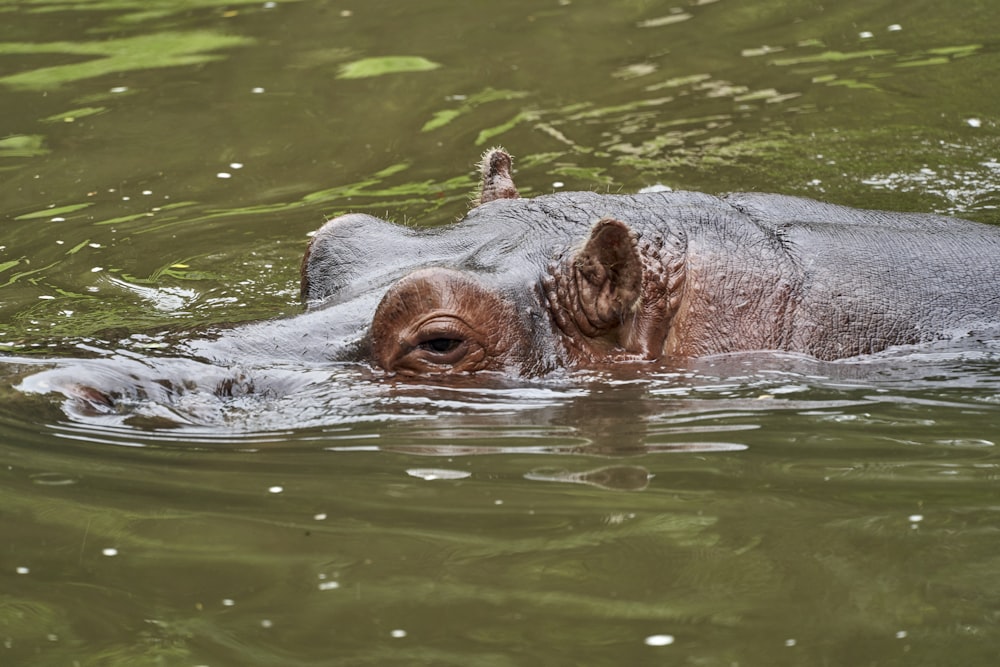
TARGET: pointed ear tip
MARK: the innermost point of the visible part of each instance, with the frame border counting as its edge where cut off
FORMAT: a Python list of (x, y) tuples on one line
[(608, 220), (497, 182), (611, 227), (494, 157), (613, 244)]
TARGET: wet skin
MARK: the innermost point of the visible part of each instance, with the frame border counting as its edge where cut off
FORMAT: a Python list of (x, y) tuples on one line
[(578, 280), (581, 280)]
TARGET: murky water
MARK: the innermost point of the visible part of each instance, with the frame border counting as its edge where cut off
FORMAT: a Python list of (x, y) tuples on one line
[(161, 164)]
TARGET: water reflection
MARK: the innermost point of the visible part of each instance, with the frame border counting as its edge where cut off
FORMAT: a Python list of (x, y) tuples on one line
[(641, 504), (774, 518), (614, 478), (713, 404)]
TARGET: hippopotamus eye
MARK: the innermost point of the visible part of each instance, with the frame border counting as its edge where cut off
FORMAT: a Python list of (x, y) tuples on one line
[(437, 343), (440, 345), (438, 321), (442, 341)]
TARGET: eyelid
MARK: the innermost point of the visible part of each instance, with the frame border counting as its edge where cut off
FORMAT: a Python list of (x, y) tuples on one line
[(439, 326), (463, 356)]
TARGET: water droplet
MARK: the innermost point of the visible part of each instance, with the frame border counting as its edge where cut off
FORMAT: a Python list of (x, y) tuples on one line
[(659, 640), (52, 478), (431, 474)]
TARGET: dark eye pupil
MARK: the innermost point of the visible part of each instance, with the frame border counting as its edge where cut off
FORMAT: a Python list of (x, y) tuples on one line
[(441, 345)]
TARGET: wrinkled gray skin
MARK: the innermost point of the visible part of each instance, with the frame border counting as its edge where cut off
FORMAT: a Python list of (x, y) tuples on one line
[(674, 275), (738, 272)]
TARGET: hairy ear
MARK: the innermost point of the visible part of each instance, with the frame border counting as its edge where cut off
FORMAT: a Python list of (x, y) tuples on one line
[(615, 297), (609, 275), (496, 179)]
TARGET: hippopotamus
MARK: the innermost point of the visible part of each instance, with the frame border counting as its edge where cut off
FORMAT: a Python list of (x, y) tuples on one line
[(524, 286)]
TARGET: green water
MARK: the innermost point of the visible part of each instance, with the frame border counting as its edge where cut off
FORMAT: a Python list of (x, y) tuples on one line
[(161, 164)]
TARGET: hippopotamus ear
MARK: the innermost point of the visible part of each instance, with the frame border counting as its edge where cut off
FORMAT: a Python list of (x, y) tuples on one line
[(497, 181), (606, 301), (611, 273), (594, 294)]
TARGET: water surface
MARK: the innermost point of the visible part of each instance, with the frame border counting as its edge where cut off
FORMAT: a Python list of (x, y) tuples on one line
[(161, 165)]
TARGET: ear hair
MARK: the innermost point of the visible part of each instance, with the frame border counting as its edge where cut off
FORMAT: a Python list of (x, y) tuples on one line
[(496, 181), (614, 297), (610, 273)]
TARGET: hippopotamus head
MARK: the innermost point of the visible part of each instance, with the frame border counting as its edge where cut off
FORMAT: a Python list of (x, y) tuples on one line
[(525, 286), (518, 286), (579, 279)]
